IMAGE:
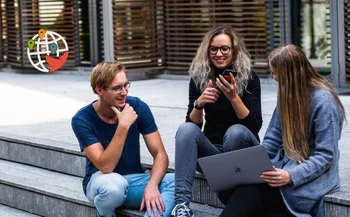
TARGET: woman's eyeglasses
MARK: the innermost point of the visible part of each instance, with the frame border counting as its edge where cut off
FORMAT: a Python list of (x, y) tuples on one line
[(119, 88), (223, 49)]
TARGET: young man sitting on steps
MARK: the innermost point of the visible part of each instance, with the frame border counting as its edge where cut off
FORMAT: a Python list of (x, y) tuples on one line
[(108, 131)]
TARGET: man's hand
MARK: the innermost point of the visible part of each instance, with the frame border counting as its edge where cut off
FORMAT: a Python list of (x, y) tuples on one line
[(126, 117), (152, 200), (276, 177), (209, 95)]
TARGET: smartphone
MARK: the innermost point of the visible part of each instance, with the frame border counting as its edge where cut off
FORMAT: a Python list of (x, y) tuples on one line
[(226, 74)]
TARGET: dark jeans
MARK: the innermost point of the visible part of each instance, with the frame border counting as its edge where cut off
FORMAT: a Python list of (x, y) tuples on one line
[(191, 144), (260, 200)]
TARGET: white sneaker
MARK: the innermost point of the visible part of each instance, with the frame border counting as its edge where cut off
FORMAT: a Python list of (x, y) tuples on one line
[(182, 210)]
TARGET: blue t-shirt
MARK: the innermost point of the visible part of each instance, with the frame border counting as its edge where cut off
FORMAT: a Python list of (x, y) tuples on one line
[(89, 128)]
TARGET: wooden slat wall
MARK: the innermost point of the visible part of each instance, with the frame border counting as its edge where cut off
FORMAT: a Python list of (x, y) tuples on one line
[(328, 25), (13, 33), (101, 43), (2, 31), (347, 38), (276, 25), (187, 21), (52, 15), (139, 33), (274, 34), (84, 43)]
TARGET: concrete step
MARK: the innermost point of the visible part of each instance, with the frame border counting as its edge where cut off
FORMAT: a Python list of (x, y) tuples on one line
[(6, 211), (67, 158), (49, 193), (55, 156), (338, 204), (52, 155)]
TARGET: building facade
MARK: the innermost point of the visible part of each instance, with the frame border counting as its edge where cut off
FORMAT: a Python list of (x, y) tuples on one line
[(163, 35)]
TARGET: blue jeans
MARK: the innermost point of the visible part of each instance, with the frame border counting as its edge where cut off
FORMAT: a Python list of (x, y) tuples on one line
[(191, 144), (109, 191)]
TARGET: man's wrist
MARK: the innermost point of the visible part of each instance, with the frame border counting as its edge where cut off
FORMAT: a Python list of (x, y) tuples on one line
[(152, 183), (123, 128)]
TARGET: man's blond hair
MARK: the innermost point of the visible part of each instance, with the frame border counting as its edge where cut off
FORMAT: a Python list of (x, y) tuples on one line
[(104, 72)]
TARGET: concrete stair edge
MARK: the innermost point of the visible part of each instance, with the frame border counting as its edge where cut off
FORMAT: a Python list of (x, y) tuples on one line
[(43, 158), (42, 192), (15, 188), (7, 211), (41, 181), (22, 150), (341, 198), (42, 143)]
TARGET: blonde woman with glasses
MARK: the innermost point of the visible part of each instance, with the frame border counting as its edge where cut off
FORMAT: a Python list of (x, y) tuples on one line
[(301, 140), (225, 92)]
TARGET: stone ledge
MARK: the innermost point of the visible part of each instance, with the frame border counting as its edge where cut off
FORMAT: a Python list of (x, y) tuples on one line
[(6, 211), (47, 153), (42, 143), (28, 188), (340, 198), (43, 156)]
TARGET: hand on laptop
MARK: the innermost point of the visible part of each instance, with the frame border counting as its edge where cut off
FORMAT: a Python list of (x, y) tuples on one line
[(276, 177)]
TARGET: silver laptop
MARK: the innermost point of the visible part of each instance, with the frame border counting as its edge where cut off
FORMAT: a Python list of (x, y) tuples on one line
[(227, 170)]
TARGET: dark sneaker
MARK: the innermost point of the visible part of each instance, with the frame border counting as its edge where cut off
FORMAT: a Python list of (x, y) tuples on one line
[(182, 210)]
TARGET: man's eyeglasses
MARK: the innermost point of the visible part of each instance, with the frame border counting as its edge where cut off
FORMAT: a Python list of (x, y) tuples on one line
[(223, 49), (119, 88)]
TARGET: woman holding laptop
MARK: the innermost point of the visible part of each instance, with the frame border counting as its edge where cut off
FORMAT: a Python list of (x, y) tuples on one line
[(302, 138)]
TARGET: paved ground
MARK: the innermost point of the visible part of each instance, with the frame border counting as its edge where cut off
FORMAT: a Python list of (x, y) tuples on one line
[(41, 105)]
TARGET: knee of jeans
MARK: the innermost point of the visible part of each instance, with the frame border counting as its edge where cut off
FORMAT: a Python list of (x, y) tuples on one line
[(115, 193), (169, 180), (235, 136), (113, 186), (187, 128), (236, 131)]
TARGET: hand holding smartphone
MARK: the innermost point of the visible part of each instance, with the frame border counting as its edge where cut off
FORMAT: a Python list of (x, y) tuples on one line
[(226, 74)]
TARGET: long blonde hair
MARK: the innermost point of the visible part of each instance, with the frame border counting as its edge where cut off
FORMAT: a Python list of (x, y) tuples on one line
[(201, 69), (296, 79)]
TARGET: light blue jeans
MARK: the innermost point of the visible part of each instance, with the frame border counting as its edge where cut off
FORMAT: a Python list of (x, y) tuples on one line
[(109, 191), (191, 144)]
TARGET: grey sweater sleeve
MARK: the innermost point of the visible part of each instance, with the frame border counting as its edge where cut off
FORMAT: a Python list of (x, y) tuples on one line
[(325, 125), (273, 136)]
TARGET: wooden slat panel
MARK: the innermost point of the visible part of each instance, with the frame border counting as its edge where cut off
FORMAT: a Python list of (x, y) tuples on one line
[(276, 25), (25, 17), (186, 23), (328, 27), (101, 42), (53, 15), (13, 32), (150, 34), (216, 4), (347, 40), (2, 32), (139, 33)]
